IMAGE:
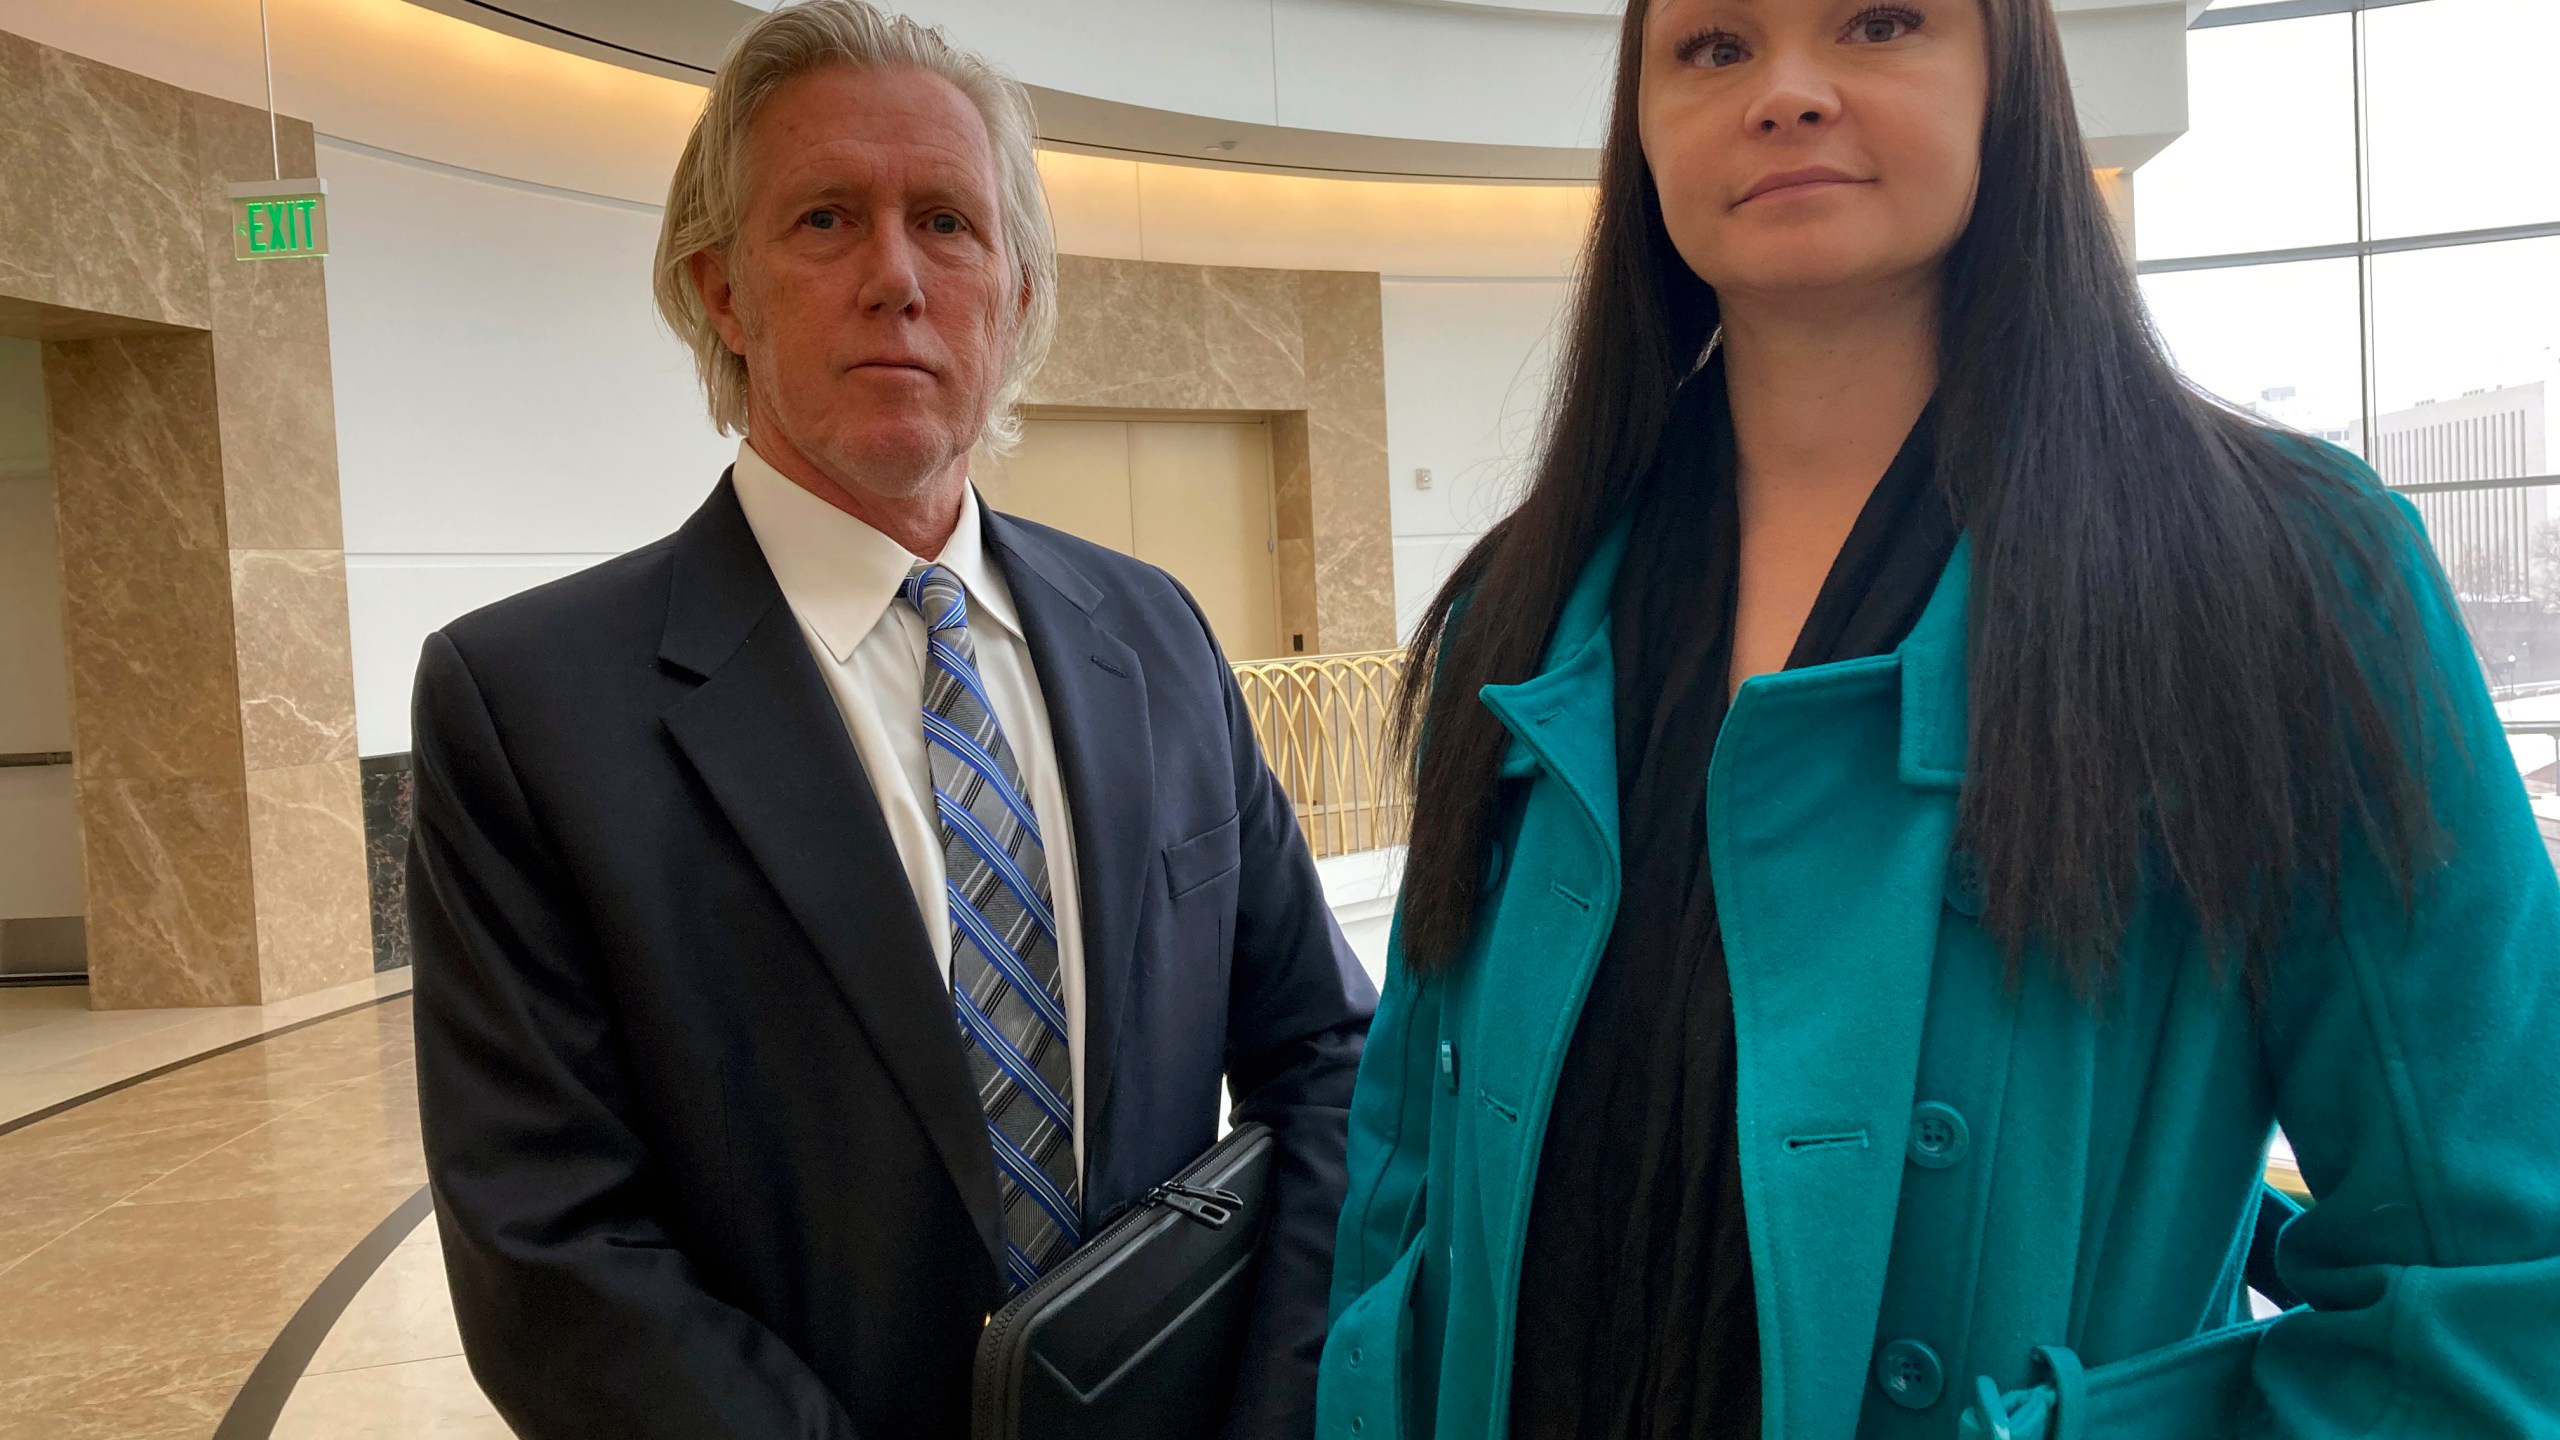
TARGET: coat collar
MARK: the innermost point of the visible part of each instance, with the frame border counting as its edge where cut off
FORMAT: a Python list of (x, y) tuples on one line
[(1575, 678)]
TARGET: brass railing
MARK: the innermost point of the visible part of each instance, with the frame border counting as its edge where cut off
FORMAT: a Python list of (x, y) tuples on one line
[(1323, 721)]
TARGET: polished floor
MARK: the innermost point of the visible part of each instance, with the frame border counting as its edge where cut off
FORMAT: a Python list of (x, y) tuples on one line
[(156, 1240), (55, 1049), (391, 1367)]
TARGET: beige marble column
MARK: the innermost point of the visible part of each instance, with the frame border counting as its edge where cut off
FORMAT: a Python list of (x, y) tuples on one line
[(1294, 532), (155, 701), (288, 579), (195, 468), (1354, 540)]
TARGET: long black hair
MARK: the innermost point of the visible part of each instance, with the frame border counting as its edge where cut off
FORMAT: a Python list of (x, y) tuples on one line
[(2175, 609)]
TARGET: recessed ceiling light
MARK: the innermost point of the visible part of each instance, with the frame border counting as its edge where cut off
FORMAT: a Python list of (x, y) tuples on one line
[(1221, 145)]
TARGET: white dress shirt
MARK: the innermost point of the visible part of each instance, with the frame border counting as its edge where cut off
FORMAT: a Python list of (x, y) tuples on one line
[(841, 579)]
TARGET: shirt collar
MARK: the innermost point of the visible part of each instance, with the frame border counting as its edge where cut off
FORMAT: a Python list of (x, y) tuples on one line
[(839, 574)]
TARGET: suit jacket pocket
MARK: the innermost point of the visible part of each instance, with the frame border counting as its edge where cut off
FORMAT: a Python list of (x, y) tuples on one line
[(1207, 856)]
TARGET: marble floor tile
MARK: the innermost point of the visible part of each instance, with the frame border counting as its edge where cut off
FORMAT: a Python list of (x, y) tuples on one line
[(361, 1135), (110, 1148), (148, 1299), (176, 1415), (154, 1241), (25, 1229), (421, 1400), (97, 1166), (404, 1313), (53, 1047)]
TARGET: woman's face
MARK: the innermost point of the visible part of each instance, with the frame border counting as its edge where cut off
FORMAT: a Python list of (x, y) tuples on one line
[(1805, 145)]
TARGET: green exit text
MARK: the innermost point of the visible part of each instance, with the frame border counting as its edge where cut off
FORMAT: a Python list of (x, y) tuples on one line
[(273, 229)]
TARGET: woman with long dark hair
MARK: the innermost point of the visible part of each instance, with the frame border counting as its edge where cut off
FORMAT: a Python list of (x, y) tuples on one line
[(1906, 804)]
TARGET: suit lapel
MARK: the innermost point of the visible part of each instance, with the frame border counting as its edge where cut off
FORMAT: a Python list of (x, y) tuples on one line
[(767, 741), (1096, 693)]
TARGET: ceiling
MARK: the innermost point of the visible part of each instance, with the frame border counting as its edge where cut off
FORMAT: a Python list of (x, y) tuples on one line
[(1094, 105)]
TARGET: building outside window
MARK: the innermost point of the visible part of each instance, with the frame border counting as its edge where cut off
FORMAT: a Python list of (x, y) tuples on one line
[(2359, 237)]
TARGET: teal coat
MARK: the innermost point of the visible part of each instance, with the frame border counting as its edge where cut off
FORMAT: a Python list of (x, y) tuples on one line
[(1977, 1209)]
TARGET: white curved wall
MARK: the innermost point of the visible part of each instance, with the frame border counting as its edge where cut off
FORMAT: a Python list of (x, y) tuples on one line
[(1468, 363), (1485, 75)]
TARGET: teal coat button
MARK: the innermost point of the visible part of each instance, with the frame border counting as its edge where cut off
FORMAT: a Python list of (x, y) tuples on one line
[(1910, 1374), (1964, 883), (1938, 1136)]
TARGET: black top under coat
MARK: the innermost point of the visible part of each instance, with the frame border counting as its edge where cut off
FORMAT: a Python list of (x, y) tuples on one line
[(1637, 1318)]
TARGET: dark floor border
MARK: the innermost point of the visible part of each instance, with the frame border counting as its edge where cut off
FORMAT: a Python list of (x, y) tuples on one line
[(260, 1403), (243, 1043)]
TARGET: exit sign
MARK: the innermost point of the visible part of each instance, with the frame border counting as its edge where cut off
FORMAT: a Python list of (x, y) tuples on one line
[(279, 219)]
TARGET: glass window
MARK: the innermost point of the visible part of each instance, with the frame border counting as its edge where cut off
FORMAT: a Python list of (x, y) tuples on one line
[(2269, 158), (2280, 340), (2466, 355), (2461, 121)]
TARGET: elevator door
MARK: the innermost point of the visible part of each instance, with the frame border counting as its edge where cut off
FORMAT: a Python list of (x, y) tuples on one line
[(1192, 497)]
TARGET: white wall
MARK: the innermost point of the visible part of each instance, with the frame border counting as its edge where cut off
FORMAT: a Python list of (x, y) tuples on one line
[(1493, 76), (1467, 370), (39, 829), (509, 407)]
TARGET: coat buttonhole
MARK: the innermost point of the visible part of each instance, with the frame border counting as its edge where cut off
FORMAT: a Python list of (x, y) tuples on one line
[(1578, 902), (1846, 1140), (1107, 665), (1497, 1107)]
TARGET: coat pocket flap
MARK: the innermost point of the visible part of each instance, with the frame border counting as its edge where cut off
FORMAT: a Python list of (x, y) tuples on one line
[(1190, 864)]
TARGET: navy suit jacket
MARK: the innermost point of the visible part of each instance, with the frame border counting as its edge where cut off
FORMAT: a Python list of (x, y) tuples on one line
[(704, 1147)]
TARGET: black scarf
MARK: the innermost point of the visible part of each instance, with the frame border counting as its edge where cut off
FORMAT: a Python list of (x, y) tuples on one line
[(1637, 1319)]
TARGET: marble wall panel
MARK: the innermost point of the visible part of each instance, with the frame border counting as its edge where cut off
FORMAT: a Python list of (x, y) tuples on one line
[(137, 458), (27, 156), (1130, 335), (146, 576), (1347, 467), (171, 915), (272, 299), (1252, 336), (147, 643), (109, 166), (306, 860), (297, 683), (1294, 533), (279, 441), (390, 790)]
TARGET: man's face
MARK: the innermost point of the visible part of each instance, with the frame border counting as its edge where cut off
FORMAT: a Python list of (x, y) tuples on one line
[(868, 290)]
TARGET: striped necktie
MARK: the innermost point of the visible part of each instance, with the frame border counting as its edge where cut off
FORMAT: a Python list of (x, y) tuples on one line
[(1004, 941)]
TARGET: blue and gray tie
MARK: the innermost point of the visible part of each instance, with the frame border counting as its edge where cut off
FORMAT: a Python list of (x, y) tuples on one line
[(1004, 940)]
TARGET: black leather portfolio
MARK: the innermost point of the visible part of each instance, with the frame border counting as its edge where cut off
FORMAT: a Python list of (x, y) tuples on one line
[(1136, 1334)]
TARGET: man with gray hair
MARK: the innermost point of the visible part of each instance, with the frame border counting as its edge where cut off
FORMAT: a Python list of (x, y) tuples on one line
[(830, 916)]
